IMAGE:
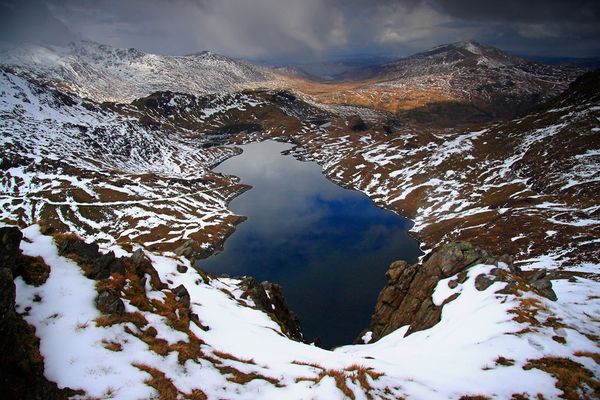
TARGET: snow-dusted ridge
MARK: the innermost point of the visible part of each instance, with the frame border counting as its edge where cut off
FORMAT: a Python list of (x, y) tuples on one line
[(104, 73)]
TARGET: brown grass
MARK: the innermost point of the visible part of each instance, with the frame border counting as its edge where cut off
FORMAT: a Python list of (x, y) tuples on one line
[(135, 318), (241, 378), (228, 356), (114, 284), (112, 346), (170, 308), (355, 373), (362, 373), (575, 381), (237, 376), (159, 381), (60, 238), (338, 376), (593, 356), (188, 350), (527, 311), (506, 362), (34, 270)]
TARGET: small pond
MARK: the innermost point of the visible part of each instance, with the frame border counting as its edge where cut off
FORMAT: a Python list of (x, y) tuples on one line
[(329, 247)]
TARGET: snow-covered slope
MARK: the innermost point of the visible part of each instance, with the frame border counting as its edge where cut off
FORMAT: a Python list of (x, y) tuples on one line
[(487, 344), (105, 175), (105, 73)]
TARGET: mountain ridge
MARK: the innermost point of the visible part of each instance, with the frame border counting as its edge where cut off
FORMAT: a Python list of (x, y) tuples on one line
[(105, 73)]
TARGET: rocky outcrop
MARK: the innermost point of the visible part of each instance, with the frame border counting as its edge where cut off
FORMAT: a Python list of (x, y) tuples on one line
[(109, 303), (21, 365), (406, 298), (192, 250), (540, 282), (268, 297)]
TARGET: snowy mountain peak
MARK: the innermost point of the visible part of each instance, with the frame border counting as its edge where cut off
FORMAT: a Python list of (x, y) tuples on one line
[(469, 53), (471, 46), (105, 73)]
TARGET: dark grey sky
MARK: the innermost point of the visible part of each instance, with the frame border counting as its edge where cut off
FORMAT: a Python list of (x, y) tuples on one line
[(306, 30)]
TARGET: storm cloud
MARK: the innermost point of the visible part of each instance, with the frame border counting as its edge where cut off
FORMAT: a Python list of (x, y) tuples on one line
[(299, 31)]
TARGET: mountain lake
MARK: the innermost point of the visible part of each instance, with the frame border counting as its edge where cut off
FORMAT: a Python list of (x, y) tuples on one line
[(328, 247)]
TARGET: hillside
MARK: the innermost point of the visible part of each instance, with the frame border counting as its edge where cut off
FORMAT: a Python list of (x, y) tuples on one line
[(459, 83), (108, 208)]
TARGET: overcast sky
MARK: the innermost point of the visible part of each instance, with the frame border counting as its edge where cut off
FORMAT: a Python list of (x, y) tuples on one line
[(307, 30)]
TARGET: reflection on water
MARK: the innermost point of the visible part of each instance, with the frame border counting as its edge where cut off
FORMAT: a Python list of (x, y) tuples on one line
[(327, 246)]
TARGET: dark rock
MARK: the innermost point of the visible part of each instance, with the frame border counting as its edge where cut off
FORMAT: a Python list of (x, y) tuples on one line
[(108, 303), (143, 266), (105, 265), (540, 282), (482, 282), (10, 239), (284, 315), (182, 269), (268, 297), (142, 263), (86, 251), (357, 124), (138, 258), (192, 250), (406, 298), (21, 365), (182, 295)]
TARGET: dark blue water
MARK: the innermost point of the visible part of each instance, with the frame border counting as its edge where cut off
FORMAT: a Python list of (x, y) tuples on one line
[(327, 246)]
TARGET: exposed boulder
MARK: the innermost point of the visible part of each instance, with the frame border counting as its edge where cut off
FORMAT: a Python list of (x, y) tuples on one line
[(96, 265), (192, 250), (540, 281), (357, 124), (482, 282), (182, 269), (143, 266), (109, 303), (87, 252), (269, 298), (407, 297), (105, 265), (182, 296), (10, 239)]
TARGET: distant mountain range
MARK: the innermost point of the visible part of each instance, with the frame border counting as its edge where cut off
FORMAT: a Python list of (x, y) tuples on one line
[(104, 73), (459, 83), (462, 82)]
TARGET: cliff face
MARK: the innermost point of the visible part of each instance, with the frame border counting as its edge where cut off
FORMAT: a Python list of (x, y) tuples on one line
[(408, 297)]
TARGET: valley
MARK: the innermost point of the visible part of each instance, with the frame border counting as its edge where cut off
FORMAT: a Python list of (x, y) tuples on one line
[(494, 158)]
